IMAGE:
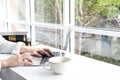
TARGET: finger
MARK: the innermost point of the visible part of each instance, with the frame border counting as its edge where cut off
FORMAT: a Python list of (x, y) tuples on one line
[(49, 51), (37, 53), (20, 59), (45, 53), (40, 52), (27, 62), (26, 57)]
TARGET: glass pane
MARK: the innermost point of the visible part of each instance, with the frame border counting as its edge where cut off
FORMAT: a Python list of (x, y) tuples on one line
[(49, 11), (17, 10), (98, 14), (101, 47), (3, 27), (50, 37), (3, 9)]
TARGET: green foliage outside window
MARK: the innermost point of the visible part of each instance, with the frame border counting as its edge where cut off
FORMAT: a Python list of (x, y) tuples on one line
[(49, 11), (100, 14), (96, 12)]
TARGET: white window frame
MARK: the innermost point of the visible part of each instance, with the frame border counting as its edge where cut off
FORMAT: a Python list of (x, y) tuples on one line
[(81, 29), (3, 12), (68, 23)]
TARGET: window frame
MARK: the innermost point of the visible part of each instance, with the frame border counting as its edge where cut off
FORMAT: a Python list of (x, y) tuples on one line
[(68, 23)]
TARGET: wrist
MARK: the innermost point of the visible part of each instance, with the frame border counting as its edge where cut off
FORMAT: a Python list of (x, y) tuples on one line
[(24, 49)]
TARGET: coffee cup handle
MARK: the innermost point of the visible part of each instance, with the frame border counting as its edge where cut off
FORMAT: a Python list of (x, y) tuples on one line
[(47, 66)]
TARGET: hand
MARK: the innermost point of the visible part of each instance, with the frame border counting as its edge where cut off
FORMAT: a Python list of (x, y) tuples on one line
[(40, 52), (16, 60), (36, 51)]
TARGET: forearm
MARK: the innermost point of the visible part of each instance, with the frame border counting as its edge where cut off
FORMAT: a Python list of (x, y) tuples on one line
[(25, 49), (3, 64), (9, 47), (16, 60)]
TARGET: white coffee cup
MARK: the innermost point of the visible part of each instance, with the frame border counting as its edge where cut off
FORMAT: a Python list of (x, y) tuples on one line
[(59, 65)]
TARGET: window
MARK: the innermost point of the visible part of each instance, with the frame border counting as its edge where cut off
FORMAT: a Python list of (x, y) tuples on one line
[(50, 37), (98, 14), (97, 29), (3, 17), (87, 26), (16, 12), (33, 15), (49, 11)]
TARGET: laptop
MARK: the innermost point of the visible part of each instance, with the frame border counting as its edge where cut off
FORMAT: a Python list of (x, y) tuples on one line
[(40, 61)]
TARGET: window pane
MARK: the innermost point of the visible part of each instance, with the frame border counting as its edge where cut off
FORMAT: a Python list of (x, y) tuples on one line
[(98, 13), (3, 9), (50, 37), (3, 27), (102, 47), (17, 10), (49, 11)]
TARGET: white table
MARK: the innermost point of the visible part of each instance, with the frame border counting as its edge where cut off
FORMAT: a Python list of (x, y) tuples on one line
[(82, 68)]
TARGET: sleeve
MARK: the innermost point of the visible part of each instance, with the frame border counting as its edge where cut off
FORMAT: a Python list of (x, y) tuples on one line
[(10, 47)]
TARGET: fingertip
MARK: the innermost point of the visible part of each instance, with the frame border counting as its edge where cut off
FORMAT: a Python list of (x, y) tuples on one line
[(28, 62)]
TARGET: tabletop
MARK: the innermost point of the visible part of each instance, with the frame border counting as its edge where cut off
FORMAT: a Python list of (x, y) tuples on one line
[(81, 68)]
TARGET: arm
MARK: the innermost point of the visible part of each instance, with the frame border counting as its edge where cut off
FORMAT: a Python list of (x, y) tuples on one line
[(19, 47), (16, 60), (9, 47), (36, 51)]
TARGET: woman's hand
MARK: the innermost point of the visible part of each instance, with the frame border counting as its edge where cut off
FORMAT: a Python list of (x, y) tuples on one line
[(36, 51), (17, 60), (40, 52)]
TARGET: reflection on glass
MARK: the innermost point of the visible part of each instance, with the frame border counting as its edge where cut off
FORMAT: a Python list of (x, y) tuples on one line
[(50, 11), (17, 10), (102, 47), (50, 37)]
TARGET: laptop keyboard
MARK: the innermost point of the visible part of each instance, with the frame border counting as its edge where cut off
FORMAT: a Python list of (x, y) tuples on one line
[(45, 58)]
